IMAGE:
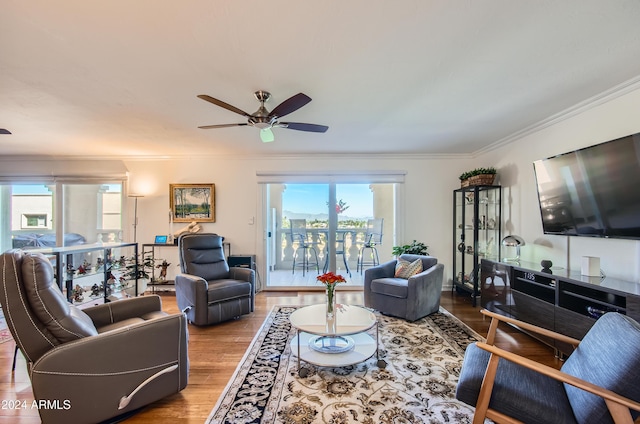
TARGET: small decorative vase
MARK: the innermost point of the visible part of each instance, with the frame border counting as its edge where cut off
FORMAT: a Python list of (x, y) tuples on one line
[(331, 301)]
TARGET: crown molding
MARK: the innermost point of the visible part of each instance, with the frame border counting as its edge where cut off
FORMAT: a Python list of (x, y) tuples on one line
[(301, 156), (606, 96), (257, 157)]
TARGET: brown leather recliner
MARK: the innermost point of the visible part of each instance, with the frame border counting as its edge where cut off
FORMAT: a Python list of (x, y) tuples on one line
[(94, 364), (208, 291)]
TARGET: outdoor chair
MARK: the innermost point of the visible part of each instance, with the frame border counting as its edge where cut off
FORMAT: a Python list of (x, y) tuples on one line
[(598, 383), (100, 363), (372, 238), (207, 290), (301, 243), (341, 250)]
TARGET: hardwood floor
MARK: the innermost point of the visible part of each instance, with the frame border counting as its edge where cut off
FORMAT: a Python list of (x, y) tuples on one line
[(215, 351)]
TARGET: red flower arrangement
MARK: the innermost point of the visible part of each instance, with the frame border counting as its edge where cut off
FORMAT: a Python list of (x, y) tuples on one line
[(329, 279)]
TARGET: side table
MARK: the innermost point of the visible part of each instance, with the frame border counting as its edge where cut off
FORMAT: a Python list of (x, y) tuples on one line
[(337, 342)]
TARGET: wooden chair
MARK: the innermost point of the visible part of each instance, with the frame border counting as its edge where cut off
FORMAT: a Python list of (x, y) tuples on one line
[(598, 383)]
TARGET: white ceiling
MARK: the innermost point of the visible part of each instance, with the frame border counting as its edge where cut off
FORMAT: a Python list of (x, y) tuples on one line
[(120, 78)]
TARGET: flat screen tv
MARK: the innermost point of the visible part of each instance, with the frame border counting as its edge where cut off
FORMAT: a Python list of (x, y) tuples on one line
[(592, 192)]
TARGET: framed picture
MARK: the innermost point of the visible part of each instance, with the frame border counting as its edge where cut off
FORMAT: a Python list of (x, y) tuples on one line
[(192, 202)]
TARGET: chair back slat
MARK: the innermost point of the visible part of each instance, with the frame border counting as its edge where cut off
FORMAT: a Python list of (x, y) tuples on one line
[(374, 232), (298, 230)]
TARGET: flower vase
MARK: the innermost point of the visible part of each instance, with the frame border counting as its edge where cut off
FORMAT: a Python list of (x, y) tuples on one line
[(331, 302)]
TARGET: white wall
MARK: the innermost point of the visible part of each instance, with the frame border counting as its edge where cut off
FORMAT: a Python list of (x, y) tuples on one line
[(31, 204), (426, 214), (615, 118)]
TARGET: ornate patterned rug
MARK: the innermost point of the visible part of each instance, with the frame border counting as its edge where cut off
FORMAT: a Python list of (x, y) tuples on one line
[(417, 385)]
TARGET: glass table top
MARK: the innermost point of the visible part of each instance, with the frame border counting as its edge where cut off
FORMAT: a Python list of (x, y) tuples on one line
[(348, 319)]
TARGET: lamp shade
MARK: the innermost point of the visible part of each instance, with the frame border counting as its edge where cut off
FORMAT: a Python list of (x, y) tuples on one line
[(513, 241)]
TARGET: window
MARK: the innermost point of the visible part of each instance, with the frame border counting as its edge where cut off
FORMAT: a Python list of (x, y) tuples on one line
[(334, 217), (34, 221), (111, 211), (364, 194), (93, 211), (57, 214)]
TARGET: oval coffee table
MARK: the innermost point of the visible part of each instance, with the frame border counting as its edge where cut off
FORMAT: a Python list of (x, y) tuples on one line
[(336, 342)]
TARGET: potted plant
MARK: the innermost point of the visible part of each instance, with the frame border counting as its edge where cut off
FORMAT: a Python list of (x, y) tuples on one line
[(415, 248), (478, 176)]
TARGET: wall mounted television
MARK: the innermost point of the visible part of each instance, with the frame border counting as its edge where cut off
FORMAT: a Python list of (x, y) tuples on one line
[(593, 192)]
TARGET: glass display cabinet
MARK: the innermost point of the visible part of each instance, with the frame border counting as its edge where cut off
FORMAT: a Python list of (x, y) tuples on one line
[(91, 274), (476, 234)]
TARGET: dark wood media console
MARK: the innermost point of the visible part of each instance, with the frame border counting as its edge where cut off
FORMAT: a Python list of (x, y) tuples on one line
[(568, 303)]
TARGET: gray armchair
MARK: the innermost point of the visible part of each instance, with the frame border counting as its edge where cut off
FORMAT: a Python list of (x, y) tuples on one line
[(412, 298), (96, 364), (208, 291), (598, 383)]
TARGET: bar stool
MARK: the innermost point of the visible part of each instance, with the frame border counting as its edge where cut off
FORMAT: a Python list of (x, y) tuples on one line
[(340, 250), (299, 238), (372, 238)]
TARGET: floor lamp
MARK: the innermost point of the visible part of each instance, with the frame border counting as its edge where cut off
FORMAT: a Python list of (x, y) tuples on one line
[(135, 215)]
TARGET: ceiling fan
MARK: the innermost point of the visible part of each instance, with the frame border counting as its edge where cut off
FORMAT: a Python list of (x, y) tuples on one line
[(265, 120)]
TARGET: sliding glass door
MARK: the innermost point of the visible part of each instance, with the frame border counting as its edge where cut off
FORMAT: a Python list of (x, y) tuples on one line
[(59, 214), (319, 227)]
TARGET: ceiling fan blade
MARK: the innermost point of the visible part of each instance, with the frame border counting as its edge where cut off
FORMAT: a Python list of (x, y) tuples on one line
[(304, 127), (4, 131), (208, 127), (292, 104), (223, 105), (266, 135)]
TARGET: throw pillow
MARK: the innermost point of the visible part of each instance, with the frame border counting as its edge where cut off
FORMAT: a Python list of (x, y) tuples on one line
[(406, 269)]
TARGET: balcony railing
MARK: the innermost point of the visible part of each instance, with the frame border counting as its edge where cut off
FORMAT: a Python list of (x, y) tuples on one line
[(353, 240)]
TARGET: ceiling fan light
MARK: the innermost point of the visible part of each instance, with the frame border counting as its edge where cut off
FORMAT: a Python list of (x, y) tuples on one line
[(266, 135), (262, 125)]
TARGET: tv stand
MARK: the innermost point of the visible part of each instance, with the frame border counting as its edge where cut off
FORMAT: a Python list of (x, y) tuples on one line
[(561, 301)]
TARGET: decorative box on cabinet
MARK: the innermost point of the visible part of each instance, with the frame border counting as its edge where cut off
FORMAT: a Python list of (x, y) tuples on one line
[(476, 234), (568, 303), (89, 274)]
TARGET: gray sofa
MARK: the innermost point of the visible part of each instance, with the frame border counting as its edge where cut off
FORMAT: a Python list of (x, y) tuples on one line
[(412, 298), (93, 364), (208, 291)]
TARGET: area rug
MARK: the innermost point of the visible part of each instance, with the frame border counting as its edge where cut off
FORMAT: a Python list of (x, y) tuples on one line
[(417, 385)]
